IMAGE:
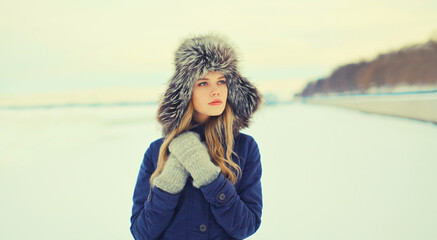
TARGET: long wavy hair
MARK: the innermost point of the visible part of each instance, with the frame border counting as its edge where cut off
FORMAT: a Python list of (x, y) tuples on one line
[(219, 139)]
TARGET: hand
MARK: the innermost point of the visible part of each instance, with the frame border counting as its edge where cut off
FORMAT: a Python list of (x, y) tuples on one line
[(173, 177), (193, 155), (186, 143)]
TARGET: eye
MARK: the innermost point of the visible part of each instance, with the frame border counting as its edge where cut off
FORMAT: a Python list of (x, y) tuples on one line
[(202, 84), (222, 82)]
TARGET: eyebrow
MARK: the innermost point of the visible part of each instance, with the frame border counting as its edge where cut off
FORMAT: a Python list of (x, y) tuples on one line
[(208, 78)]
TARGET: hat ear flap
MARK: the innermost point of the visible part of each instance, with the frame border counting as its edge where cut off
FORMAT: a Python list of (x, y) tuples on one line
[(243, 96), (175, 102)]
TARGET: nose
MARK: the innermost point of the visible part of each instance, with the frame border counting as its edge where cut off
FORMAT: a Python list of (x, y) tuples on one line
[(215, 92)]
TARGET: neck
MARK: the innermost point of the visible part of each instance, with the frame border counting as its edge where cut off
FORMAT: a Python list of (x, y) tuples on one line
[(200, 118)]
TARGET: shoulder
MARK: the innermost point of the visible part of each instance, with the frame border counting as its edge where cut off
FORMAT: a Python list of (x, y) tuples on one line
[(246, 146), (157, 143), (152, 151), (245, 140)]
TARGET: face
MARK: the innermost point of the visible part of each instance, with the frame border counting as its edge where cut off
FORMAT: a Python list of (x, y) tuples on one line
[(209, 96)]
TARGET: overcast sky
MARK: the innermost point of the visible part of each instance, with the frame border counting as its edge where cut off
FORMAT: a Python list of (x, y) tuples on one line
[(51, 45)]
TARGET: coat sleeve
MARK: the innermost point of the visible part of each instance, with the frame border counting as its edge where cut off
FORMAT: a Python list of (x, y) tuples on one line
[(238, 213), (152, 208)]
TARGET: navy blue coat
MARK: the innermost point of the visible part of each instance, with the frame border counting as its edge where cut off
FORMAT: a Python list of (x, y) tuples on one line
[(219, 210)]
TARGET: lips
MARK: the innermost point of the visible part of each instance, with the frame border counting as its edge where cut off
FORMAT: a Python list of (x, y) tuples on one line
[(216, 102)]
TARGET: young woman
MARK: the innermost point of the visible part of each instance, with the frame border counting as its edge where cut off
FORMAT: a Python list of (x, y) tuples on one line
[(202, 179)]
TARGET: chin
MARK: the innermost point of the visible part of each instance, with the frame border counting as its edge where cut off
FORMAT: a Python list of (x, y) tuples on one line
[(216, 113)]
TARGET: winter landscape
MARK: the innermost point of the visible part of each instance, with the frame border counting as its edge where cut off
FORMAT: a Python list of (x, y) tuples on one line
[(79, 83), (328, 173)]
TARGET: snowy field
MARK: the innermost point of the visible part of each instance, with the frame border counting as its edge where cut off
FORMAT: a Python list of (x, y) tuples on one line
[(328, 173), (414, 105)]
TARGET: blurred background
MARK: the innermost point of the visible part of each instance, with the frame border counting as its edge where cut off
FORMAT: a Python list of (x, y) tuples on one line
[(347, 133)]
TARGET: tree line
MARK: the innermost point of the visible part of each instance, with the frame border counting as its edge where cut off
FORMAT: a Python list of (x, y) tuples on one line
[(412, 65)]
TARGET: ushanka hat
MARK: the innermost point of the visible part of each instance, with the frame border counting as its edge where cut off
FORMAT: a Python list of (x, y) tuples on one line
[(195, 57)]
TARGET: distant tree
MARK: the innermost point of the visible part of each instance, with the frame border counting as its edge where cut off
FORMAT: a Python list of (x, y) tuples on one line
[(411, 65)]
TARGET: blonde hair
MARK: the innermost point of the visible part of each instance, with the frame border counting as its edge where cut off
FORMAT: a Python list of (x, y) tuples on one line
[(219, 139)]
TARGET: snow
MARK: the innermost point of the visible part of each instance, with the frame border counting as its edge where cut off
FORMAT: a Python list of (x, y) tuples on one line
[(414, 105), (328, 173)]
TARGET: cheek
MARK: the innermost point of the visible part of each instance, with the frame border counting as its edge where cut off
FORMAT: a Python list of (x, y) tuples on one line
[(225, 92), (197, 97)]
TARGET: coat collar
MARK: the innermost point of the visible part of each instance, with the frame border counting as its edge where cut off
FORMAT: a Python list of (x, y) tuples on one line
[(199, 129)]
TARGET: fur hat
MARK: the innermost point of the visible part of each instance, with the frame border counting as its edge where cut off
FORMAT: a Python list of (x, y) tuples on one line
[(195, 57)]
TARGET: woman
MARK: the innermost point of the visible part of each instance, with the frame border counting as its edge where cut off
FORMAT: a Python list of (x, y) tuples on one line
[(202, 179)]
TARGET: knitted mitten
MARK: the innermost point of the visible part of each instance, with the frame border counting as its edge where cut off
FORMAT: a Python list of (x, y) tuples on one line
[(173, 177), (193, 155)]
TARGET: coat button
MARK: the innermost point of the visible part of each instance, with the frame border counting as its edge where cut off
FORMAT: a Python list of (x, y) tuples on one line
[(202, 227), (222, 196)]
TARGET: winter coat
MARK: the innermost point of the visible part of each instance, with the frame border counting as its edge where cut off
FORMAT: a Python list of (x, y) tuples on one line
[(219, 210)]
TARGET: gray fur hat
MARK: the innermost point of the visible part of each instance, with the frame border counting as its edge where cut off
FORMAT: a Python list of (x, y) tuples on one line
[(195, 57)]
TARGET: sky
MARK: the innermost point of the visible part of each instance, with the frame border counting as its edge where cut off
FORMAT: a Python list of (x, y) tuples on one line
[(51, 45)]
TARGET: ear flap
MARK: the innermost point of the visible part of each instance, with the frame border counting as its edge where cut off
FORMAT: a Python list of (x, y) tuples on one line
[(243, 97), (175, 101)]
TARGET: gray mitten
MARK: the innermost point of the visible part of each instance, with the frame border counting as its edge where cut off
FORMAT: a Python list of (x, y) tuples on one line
[(173, 177), (193, 155)]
